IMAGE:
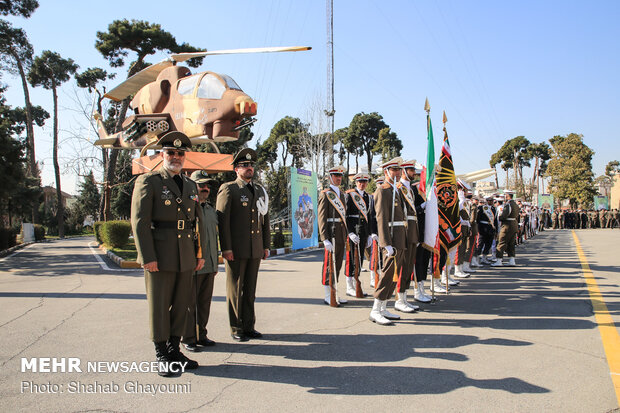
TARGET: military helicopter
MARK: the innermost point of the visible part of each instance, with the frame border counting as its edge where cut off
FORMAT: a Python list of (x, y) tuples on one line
[(208, 107)]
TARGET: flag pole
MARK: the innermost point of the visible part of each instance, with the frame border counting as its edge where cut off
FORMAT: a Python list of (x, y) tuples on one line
[(445, 120), (427, 108)]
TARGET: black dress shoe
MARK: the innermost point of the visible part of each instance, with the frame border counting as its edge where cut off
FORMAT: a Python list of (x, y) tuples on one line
[(191, 347), (253, 334), (205, 342), (239, 337)]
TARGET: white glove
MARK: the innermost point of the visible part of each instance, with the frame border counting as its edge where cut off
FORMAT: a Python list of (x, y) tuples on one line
[(390, 250), (423, 205), (368, 242), (353, 237), (374, 237), (328, 246)]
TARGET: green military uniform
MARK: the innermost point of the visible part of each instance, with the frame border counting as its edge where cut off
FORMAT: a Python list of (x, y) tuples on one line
[(508, 232), (164, 213), (203, 280), (245, 232)]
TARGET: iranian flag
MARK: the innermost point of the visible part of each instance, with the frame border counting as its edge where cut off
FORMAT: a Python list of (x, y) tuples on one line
[(428, 188)]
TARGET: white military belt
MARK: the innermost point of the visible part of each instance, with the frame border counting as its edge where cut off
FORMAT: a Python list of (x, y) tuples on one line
[(334, 220), (510, 219), (397, 224), (485, 222), (353, 216), (412, 217)]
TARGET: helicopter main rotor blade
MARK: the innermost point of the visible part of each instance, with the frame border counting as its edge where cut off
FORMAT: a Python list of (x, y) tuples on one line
[(137, 81), (181, 57)]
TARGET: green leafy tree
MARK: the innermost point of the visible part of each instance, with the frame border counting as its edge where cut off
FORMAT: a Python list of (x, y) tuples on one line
[(23, 8), (88, 198), (123, 188), (570, 169), (388, 145), (365, 128), (613, 167), (339, 136), (541, 153), (143, 39), (16, 57), (285, 138), (50, 70)]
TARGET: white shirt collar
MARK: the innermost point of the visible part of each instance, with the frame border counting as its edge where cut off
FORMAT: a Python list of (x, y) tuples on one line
[(406, 183), (335, 188)]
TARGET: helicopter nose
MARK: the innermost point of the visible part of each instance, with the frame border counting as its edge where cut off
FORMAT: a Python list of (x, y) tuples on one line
[(245, 106)]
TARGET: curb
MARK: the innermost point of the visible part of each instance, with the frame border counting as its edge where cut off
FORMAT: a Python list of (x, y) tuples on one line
[(118, 260), (14, 248)]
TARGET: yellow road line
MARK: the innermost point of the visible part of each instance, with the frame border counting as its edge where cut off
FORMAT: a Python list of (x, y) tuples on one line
[(606, 326)]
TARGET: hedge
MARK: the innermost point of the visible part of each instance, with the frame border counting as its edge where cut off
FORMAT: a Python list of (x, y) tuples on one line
[(114, 234), (39, 232), (8, 238), (97, 230)]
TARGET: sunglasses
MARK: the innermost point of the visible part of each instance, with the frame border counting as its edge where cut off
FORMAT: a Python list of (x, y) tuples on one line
[(204, 185), (362, 180), (177, 153), (246, 164)]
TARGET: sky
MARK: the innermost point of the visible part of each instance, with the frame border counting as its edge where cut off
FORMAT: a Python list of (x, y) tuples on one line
[(498, 69)]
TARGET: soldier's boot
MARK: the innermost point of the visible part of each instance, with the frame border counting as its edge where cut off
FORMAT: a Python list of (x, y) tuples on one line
[(401, 304), (413, 306), (445, 274), (419, 295), (459, 273), (467, 267), (438, 286), (339, 299), (493, 257), (350, 286), (175, 354), (424, 293), (372, 279), (328, 293), (497, 263), (163, 359), (385, 313), (474, 262), (375, 314), (511, 262), (484, 260)]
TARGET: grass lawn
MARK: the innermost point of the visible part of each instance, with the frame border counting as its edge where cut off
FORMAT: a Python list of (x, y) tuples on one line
[(128, 252)]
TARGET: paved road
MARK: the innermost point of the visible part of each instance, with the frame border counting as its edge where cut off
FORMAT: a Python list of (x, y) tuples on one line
[(520, 338)]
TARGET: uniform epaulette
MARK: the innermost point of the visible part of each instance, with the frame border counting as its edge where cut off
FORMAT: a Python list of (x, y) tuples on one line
[(325, 190), (348, 191)]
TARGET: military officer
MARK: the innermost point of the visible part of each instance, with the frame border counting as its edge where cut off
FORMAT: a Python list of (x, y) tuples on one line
[(202, 281), (391, 223), (407, 176), (164, 217), (243, 218), (486, 229), (333, 229), (508, 231), (471, 241), (373, 250), (360, 217)]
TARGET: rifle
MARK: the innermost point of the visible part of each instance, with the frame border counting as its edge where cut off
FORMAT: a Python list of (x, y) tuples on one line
[(356, 272), (374, 261)]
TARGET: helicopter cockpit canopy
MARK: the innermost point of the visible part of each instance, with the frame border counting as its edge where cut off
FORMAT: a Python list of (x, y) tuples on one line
[(206, 85)]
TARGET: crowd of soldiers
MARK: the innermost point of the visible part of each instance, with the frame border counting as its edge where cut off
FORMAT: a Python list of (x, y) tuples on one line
[(582, 219), (389, 226), (176, 232)]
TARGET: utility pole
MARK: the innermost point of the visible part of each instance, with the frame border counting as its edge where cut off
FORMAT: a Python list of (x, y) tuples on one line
[(330, 81)]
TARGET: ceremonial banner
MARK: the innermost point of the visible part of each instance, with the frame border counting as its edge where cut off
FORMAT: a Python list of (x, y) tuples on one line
[(303, 196), (545, 201), (428, 189), (601, 202), (447, 198)]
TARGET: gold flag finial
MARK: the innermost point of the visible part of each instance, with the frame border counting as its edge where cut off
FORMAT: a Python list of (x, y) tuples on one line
[(427, 107), (445, 118)]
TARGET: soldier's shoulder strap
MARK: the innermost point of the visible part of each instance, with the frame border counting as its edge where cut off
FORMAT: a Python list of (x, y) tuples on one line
[(348, 191), (359, 202)]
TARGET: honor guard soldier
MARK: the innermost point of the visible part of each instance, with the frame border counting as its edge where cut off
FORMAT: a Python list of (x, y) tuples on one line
[(333, 230), (508, 232), (360, 220), (471, 245), (486, 228), (165, 218), (391, 224), (423, 254), (202, 281), (404, 278), (243, 217), (375, 261)]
